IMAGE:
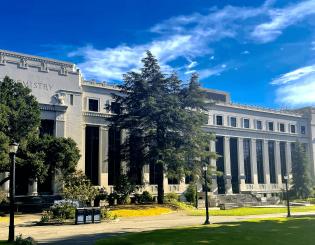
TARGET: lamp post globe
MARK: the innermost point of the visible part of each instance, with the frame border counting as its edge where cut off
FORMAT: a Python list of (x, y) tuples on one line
[(13, 147)]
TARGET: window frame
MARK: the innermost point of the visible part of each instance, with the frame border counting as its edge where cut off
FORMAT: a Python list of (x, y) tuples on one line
[(248, 123), (216, 120), (268, 126), (88, 104), (303, 131), (280, 123), (261, 124), (293, 125), (231, 122)]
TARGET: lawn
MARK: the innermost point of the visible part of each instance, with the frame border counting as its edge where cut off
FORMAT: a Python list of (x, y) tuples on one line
[(250, 211), (277, 231), (135, 211)]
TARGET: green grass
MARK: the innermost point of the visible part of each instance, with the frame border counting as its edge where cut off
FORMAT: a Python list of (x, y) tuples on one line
[(5, 243), (277, 231), (250, 211)]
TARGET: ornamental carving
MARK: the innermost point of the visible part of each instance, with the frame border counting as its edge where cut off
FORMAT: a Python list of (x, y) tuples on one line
[(60, 97)]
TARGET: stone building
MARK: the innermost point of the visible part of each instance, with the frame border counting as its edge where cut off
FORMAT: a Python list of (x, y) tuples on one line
[(254, 143)]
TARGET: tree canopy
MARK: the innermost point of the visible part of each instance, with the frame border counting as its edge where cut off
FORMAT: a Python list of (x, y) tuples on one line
[(163, 118), (301, 181)]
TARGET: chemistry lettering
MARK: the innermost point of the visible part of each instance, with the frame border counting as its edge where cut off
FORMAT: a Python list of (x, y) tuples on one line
[(36, 85)]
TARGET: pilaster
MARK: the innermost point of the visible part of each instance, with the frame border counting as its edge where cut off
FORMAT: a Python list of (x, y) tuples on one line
[(227, 166), (213, 164), (288, 158), (241, 167), (278, 162), (253, 161)]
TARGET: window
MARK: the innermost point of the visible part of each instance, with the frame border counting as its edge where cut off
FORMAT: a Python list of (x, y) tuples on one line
[(247, 160), (233, 121), (302, 129), (219, 120), (93, 105), (258, 124), (270, 126), (71, 99), (260, 161), (281, 127), (272, 163), (292, 127), (115, 107), (245, 123)]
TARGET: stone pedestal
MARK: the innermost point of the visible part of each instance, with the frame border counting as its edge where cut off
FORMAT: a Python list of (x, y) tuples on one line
[(32, 188)]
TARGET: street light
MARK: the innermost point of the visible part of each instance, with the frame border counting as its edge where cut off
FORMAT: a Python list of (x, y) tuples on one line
[(286, 177), (12, 151), (205, 168)]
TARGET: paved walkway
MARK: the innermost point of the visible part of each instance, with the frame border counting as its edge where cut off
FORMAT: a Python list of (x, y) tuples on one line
[(88, 234)]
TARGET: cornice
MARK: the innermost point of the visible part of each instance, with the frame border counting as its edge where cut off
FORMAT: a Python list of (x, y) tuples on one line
[(97, 114), (48, 107)]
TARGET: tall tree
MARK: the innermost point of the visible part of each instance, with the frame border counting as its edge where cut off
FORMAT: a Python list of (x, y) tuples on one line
[(163, 119), (301, 181)]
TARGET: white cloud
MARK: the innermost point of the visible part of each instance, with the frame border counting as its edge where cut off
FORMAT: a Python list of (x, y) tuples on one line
[(296, 88), (281, 19), (193, 36), (245, 52)]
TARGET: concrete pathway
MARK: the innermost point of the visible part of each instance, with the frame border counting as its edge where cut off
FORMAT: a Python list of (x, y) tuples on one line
[(88, 234)]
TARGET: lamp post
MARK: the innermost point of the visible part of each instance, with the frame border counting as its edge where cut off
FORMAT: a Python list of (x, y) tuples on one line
[(12, 151), (205, 168), (286, 177)]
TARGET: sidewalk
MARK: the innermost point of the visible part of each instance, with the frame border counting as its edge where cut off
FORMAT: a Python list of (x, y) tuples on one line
[(88, 234)]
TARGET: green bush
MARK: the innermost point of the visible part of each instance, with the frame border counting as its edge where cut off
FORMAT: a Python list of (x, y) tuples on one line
[(46, 217), (105, 214), (3, 197), (169, 197), (145, 197), (62, 211), (24, 241), (190, 193)]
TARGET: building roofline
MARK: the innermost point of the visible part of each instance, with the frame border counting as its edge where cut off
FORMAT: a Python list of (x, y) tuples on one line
[(36, 58)]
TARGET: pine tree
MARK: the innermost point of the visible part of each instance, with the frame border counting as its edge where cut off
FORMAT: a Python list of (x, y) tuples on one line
[(163, 119), (301, 182)]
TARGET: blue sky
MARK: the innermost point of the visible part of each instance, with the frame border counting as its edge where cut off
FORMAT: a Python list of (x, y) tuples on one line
[(262, 52)]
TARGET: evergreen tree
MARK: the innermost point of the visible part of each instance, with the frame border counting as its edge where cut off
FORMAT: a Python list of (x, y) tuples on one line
[(163, 119), (301, 181)]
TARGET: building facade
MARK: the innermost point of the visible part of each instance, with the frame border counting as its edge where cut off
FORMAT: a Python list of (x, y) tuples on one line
[(254, 144)]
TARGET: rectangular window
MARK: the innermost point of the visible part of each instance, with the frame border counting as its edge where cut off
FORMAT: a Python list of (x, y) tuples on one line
[(270, 126), (71, 99), (233, 121), (281, 127), (272, 165), (292, 127), (258, 124), (115, 107), (302, 129), (247, 165), (245, 123), (260, 161), (219, 120), (93, 105)]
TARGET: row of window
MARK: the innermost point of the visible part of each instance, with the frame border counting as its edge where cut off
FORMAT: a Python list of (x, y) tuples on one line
[(259, 125), (94, 105)]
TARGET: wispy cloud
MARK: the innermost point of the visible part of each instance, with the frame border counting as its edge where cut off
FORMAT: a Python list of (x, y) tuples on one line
[(297, 87), (281, 19), (192, 37)]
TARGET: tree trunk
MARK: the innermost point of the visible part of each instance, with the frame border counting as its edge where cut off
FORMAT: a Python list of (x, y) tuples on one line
[(160, 181)]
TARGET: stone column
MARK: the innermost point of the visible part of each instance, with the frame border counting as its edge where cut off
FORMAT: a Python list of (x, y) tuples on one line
[(146, 174), (123, 138), (288, 158), (227, 166), (278, 162), (60, 124), (103, 157), (213, 164), (6, 186), (266, 162), (253, 161), (241, 167), (32, 188)]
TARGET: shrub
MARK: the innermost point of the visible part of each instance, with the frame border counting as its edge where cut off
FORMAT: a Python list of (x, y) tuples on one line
[(46, 217), (106, 215), (190, 193), (145, 197), (111, 198), (62, 211), (79, 188), (24, 241), (169, 197), (3, 197), (123, 189)]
